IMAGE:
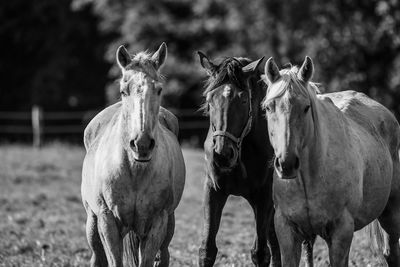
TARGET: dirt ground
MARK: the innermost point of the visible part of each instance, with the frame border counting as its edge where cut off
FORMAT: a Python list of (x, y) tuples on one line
[(42, 220)]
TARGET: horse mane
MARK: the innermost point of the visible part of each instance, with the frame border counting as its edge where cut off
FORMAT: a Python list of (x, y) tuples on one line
[(289, 78), (228, 71), (143, 62)]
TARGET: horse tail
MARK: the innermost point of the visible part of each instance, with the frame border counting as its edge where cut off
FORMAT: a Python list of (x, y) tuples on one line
[(131, 249), (379, 241)]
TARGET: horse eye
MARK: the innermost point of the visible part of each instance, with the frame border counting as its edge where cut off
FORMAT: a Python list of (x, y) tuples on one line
[(124, 93), (159, 91), (270, 107), (307, 108), (213, 127)]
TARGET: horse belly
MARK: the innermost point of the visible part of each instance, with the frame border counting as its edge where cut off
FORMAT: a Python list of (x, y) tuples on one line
[(174, 171), (377, 181)]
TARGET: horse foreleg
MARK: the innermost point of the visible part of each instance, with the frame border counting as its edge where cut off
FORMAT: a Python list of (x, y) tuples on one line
[(98, 258), (289, 241), (151, 242), (264, 215), (390, 222), (307, 246), (164, 253), (214, 202), (110, 237), (339, 241)]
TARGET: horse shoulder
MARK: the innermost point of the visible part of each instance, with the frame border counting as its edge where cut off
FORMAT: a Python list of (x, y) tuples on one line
[(366, 112), (97, 125), (169, 120)]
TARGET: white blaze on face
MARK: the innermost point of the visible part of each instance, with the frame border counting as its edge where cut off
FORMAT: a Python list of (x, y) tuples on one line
[(137, 91), (227, 91)]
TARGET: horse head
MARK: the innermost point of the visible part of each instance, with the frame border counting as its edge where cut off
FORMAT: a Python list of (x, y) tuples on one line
[(230, 104), (140, 88), (290, 107)]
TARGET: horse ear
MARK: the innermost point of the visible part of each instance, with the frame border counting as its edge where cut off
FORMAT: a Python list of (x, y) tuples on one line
[(253, 66), (206, 63), (306, 70), (271, 70), (123, 57), (160, 56)]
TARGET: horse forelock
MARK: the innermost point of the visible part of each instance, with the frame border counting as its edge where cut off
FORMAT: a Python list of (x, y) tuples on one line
[(228, 71), (143, 62), (289, 82), (292, 84)]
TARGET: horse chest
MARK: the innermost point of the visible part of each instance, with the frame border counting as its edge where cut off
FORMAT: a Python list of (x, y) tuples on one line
[(136, 199), (311, 211), (242, 181)]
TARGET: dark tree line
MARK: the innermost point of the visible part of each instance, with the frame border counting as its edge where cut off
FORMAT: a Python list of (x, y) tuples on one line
[(354, 44), (53, 50), (51, 55)]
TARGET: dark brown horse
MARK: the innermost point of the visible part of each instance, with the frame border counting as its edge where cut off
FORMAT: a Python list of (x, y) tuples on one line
[(237, 155)]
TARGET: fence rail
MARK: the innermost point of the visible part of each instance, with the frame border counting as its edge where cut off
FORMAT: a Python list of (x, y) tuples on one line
[(39, 123)]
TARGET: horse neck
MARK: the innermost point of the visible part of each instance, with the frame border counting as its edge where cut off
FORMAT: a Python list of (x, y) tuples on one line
[(317, 145), (258, 133), (259, 129)]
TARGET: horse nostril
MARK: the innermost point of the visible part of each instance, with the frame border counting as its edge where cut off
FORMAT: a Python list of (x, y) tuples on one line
[(132, 144), (277, 164), (297, 163), (152, 144), (231, 152)]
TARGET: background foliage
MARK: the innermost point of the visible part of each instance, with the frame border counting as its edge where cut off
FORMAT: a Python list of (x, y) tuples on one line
[(51, 55), (61, 51)]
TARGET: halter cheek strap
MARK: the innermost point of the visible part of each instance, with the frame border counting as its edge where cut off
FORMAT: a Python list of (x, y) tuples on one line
[(238, 140)]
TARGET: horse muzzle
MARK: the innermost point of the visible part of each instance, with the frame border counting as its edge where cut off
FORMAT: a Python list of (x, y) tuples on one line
[(225, 158), (287, 169), (142, 148)]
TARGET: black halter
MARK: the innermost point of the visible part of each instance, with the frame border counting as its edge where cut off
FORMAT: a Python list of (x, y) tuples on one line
[(238, 140)]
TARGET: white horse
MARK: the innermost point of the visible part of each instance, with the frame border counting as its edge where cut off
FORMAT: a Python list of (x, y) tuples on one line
[(337, 165), (133, 173)]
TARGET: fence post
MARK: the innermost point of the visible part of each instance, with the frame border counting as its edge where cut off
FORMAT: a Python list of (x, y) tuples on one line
[(37, 125)]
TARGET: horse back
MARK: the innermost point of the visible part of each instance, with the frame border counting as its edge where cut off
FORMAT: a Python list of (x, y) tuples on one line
[(99, 123), (369, 115), (169, 120)]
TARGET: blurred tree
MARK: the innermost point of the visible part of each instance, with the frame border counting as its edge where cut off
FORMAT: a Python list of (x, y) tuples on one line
[(354, 44), (51, 56), (215, 27)]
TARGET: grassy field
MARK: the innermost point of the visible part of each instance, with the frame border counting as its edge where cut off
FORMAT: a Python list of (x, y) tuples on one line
[(42, 220)]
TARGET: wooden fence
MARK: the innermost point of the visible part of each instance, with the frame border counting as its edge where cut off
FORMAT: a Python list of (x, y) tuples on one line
[(38, 125)]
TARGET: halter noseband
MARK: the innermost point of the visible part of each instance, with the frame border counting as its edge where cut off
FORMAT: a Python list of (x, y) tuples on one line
[(238, 140)]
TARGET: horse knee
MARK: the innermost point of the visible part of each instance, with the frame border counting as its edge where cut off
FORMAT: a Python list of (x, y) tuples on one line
[(307, 247), (98, 258)]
